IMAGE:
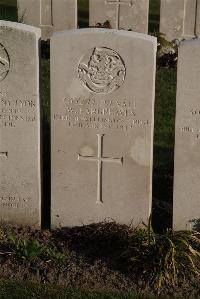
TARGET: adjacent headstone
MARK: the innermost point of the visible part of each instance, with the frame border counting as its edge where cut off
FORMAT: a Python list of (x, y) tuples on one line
[(20, 170), (49, 15), (125, 14), (178, 19), (65, 14), (189, 20), (187, 142), (197, 33), (102, 126)]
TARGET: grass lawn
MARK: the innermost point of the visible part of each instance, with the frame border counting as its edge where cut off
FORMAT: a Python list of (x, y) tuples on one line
[(9, 2), (19, 290), (8, 10)]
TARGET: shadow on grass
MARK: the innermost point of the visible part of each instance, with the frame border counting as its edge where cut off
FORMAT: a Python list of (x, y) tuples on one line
[(46, 140)]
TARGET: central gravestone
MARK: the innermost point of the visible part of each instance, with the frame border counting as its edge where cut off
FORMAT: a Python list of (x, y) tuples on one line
[(102, 126), (20, 158)]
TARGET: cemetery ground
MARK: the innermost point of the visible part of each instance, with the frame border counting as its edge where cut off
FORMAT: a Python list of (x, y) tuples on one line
[(105, 260)]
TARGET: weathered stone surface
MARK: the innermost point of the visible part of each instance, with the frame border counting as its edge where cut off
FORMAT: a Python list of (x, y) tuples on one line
[(177, 18), (102, 126), (49, 15), (187, 142), (20, 178), (65, 14), (132, 14), (189, 18)]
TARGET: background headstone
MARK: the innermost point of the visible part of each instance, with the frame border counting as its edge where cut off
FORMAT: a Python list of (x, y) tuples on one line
[(187, 142), (102, 126), (49, 15), (189, 18), (65, 14), (20, 170), (178, 18), (132, 14)]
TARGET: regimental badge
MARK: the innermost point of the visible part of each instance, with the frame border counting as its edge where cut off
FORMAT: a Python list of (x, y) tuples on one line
[(103, 71)]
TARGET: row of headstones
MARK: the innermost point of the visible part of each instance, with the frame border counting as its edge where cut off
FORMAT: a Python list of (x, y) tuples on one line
[(57, 15), (179, 18), (102, 118)]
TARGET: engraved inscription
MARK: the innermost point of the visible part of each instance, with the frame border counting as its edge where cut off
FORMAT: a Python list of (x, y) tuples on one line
[(91, 113), (102, 71), (100, 159), (4, 63), (192, 127), (13, 201), (13, 112)]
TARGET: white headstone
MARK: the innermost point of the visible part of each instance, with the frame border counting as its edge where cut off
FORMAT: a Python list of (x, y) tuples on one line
[(187, 141), (198, 18), (102, 126), (178, 18), (20, 158), (49, 15), (125, 14)]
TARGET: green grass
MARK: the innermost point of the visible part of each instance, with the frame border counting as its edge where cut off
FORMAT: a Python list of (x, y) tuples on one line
[(25, 290), (165, 106), (154, 15), (8, 10), (83, 13), (45, 107), (12, 3)]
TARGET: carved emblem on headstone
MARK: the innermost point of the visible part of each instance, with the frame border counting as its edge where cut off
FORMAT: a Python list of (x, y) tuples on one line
[(4, 63), (102, 71)]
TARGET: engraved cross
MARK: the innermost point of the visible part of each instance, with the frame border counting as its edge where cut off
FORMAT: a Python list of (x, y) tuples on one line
[(118, 3), (100, 159)]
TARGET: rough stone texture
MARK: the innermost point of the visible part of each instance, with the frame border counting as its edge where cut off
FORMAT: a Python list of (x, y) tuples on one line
[(177, 18), (187, 143), (189, 18), (65, 14), (49, 15), (20, 171), (102, 126), (134, 16)]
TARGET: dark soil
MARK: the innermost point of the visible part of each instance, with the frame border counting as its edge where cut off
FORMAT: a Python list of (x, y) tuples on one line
[(92, 260)]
